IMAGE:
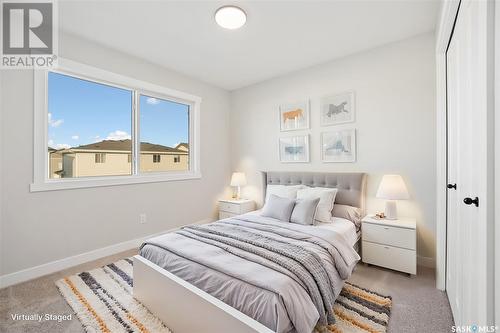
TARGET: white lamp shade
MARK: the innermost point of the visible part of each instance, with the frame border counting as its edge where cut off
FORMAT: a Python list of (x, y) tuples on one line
[(392, 187), (238, 179)]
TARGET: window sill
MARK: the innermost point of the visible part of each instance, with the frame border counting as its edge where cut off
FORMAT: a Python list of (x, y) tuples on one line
[(68, 184)]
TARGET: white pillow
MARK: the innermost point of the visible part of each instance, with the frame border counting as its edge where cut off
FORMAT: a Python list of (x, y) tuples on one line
[(283, 191), (326, 200)]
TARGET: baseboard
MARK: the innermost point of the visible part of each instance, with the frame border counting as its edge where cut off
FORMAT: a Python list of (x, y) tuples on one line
[(58, 265), (426, 262)]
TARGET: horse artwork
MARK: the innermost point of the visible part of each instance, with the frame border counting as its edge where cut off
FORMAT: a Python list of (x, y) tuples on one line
[(337, 109), (294, 116)]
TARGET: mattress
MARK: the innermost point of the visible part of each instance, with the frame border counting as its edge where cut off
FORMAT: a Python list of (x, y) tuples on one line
[(265, 294), (343, 226)]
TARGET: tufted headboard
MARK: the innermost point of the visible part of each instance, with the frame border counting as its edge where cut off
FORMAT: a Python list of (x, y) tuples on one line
[(351, 186)]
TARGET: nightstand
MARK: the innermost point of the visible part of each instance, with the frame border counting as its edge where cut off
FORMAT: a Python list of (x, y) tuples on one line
[(390, 243), (233, 207)]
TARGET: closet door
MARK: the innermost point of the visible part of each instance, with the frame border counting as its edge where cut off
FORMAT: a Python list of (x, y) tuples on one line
[(467, 273), (454, 238)]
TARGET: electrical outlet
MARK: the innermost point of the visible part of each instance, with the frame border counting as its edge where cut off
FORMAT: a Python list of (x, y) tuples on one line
[(143, 218)]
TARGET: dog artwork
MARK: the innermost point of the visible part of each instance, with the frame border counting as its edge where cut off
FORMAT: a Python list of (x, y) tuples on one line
[(336, 109)]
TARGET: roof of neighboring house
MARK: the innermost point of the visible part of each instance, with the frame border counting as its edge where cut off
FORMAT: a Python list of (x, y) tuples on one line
[(125, 145), (183, 145)]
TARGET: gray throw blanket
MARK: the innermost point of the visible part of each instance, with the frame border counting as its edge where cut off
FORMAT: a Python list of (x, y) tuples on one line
[(284, 275), (305, 265)]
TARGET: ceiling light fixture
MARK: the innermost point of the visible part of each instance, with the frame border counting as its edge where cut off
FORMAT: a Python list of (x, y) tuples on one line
[(230, 17)]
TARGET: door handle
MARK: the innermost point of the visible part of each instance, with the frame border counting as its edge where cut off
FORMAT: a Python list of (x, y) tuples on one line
[(451, 186), (470, 201)]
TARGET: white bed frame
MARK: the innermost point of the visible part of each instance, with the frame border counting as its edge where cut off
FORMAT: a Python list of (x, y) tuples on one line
[(185, 308)]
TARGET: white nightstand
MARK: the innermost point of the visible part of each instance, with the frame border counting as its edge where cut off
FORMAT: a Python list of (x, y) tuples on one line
[(233, 207), (390, 243)]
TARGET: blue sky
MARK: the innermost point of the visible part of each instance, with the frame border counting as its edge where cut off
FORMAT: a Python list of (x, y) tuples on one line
[(83, 112)]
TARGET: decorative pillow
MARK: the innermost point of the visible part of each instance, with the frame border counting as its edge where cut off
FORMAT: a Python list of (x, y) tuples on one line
[(304, 211), (283, 191), (348, 212), (326, 200), (278, 208)]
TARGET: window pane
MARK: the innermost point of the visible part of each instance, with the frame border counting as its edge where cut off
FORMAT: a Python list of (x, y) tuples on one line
[(164, 134), (88, 129)]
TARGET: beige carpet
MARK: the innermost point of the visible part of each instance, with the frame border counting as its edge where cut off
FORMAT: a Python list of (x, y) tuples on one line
[(102, 300), (418, 305)]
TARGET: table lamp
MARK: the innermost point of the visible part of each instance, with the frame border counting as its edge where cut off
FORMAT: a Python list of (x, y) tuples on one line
[(238, 179), (392, 187)]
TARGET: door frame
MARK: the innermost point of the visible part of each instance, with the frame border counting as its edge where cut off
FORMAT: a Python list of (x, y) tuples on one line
[(449, 12), (445, 29)]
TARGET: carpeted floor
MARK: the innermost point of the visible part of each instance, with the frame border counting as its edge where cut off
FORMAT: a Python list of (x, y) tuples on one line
[(417, 305)]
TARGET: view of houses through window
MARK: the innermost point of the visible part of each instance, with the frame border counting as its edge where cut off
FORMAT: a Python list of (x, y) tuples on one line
[(90, 130)]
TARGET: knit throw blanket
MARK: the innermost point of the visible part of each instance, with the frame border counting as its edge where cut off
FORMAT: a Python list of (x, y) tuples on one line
[(284, 251)]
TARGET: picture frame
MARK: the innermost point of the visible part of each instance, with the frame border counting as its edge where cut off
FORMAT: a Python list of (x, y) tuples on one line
[(338, 146), (294, 149), (338, 109), (294, 116)]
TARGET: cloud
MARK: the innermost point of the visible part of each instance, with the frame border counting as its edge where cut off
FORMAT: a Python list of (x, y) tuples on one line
[(118, 135), (75, 137), (58, 145), (54, 122), (152, 101), (96, 138), (62, 146)]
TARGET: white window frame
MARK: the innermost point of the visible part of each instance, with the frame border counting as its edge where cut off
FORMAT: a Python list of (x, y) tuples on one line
[(41, 180)]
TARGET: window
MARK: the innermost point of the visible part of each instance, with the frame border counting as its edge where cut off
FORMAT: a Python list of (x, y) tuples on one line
[(86, 120), (100, 158), (100, 125), (165, 129)]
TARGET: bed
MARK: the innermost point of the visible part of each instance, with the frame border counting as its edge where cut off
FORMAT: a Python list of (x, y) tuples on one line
[(215, 279)]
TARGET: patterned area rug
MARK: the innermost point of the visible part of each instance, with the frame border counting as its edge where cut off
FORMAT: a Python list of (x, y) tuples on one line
[(102, 300)]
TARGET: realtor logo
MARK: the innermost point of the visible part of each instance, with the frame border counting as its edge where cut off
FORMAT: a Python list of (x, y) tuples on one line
[(28, 34)]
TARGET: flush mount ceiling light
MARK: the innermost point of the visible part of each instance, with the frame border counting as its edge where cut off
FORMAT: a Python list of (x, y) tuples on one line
[(230, 17)]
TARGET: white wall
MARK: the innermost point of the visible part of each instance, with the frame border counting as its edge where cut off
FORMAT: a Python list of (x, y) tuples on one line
[(42, 227), (395, 122)]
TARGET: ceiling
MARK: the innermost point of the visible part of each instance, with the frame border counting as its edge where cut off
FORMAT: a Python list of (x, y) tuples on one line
[(279, 36)]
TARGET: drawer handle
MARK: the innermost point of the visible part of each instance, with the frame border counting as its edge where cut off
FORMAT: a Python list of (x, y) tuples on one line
[(386, 247), (386, 228)]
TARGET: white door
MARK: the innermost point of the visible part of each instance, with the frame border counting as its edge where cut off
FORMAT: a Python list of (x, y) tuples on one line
[(467, 276)]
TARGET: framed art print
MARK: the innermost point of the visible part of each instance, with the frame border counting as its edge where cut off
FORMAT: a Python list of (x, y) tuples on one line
[(338, 146), (294, 149), (294, 116), (337, 109)]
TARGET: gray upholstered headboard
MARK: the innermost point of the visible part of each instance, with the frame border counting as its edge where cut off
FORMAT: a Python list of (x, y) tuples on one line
[(351, 186)]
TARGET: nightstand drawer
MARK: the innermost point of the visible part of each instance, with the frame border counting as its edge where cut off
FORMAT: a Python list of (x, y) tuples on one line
[(388, 235), (229, 207), (225, 215), (390, 257)]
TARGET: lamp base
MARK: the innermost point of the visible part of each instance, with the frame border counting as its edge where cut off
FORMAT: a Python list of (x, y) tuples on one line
[(391, 211)]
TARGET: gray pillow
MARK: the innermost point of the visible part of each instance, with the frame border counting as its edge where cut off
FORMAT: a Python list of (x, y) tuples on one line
[(304, 211), (278, 208)]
